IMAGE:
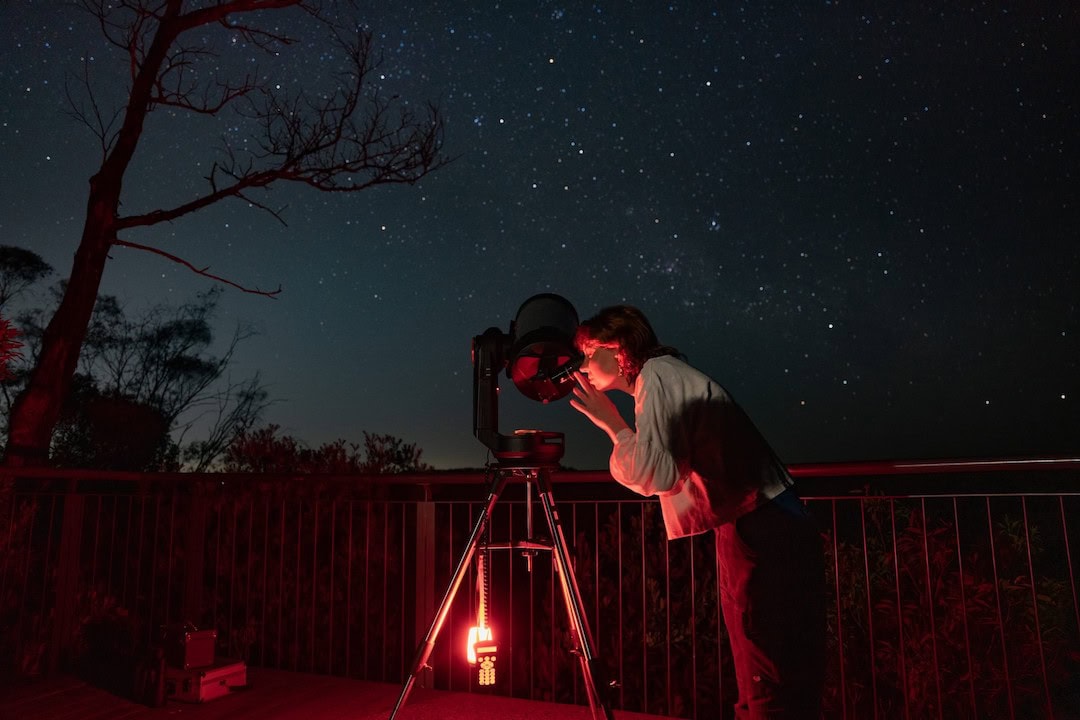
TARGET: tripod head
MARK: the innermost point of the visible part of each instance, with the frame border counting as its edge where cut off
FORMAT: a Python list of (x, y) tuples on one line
[(538, 354)]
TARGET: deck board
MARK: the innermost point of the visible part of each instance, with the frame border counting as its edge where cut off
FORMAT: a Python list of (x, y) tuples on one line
[(283, 695)]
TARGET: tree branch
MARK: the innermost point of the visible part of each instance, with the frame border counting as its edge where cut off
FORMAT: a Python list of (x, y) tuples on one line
[(199, 271), (93, 118)]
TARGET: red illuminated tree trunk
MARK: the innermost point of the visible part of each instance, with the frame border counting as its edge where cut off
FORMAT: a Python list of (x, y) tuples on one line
[(37, 409), (343, 141)]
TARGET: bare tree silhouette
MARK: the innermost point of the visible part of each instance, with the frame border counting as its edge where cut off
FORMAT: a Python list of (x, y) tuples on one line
[(344, 140)]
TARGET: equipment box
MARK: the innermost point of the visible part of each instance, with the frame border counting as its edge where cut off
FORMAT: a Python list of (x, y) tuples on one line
[(187, 648), (205, 684)]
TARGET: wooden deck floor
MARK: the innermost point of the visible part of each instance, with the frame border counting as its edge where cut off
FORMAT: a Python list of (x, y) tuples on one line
[(281, 695)]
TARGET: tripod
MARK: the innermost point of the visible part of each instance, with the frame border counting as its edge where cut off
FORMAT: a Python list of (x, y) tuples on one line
[(579, 627)]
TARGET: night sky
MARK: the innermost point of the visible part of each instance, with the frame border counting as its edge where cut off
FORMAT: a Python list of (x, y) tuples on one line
[(862, 219)]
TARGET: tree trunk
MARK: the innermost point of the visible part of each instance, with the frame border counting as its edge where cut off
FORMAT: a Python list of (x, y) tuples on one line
[(37, 409)]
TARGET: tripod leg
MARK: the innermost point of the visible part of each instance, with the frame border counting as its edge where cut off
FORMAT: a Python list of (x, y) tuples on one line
[(423, 652), (590, 666)]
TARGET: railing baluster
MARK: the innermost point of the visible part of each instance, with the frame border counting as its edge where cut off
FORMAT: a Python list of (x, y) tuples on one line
[(618, 580), (24, 599), (139, 561), (667, 627), (719, 625), (930, 603), (644, 622), (279, 655), (1000, 615), (125, 565), (7, 563), (330, 600), (899, 612), (314, 582), (553, 630), (533, 660), (693, 633), (112, 541), (602, 648), (348, 595), (385, 585), (507, 620), (1069, 564), (263, 614), (230, 618), (96, 533), (404, 654), (248, 612), (964, 605), (71, 513), (169, 569), (366, 638), (1035, 610), (839, 612), (296, 581), (869, 608)]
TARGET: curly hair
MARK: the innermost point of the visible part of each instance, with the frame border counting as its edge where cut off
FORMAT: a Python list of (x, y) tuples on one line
[(626, 329)]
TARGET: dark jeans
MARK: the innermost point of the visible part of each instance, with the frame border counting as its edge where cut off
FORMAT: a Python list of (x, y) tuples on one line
[(772, 594)]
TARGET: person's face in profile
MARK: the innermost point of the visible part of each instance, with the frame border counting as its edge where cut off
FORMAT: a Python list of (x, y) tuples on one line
[(601, 366)]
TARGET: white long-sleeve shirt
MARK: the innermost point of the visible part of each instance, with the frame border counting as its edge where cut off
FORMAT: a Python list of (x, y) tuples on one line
[(695, 448)]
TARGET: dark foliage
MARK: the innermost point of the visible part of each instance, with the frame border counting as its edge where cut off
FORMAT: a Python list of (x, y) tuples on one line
[(265, 450), (144, 381)]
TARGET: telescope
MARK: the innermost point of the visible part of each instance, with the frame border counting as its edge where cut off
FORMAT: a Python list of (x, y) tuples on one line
[(539, 356)]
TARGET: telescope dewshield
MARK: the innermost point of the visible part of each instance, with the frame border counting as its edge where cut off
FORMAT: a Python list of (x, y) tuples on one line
[(542, 347)]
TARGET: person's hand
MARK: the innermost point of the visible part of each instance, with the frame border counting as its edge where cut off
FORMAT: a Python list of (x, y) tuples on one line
[(597, 406)]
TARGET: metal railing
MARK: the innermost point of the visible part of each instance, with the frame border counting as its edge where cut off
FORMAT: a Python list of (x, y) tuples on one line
[(953, 584)]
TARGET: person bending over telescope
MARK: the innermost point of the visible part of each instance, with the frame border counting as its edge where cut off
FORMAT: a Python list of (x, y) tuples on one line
[(696, 449)]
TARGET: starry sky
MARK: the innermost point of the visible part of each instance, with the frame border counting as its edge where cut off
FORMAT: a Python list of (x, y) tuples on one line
[(861, 218)]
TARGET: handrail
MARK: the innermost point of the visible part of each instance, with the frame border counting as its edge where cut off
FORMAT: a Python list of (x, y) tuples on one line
[(937, 467), (469, 476)]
